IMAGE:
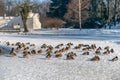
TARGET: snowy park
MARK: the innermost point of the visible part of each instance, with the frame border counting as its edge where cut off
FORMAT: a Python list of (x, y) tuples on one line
[(38, 67), (59, 39)]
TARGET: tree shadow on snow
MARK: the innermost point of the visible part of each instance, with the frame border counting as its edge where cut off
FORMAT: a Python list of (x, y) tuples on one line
[(118, 42), (20, 57)]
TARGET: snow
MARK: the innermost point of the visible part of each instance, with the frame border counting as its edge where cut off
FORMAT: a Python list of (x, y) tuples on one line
[(39, 68), (3, 22)]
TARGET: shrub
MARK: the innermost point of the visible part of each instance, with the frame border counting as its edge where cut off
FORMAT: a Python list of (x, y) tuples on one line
[(53, 23)]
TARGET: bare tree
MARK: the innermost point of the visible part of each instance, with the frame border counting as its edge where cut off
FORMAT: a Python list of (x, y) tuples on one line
[(43, 8), (53, 23), (72, 14), (2, 8)]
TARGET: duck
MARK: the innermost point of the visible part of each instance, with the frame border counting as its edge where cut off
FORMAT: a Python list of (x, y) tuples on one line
[(44, 46), (99, 48), (115, 59), (95, 58), (86, 53), (58, 55), (48, 56), (71, 56), (106, 52), (40, 51), (86, 45), (18, 49), (70, 44), (67, 48), (13, 53), (107, 48), (93, 46), (28, 43), (98, 52), (26, 54), (85, 49), (33, 52), (112, 50), (59, 45), (79, 46), (7, 43)]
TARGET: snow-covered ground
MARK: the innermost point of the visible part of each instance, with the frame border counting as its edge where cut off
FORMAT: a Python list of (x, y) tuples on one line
[(39, 68)]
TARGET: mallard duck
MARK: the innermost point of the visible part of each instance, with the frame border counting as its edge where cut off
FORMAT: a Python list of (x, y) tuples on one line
[(61, 44), (98, 52), (28, 43), (71, 56), (93, 46), (86, 45), (67, 48), (7, 43), (26, 54), (85, 49), (44, 46), (58, 55), (99, 48), (57, 51), (69, 44), (112, 50), (40, 51), (115, 59), (13, 53), (48, 55), (80, 45), (95, 58), (106, 52), (33, 52), (57, 47), (86, 53), (107, 48)]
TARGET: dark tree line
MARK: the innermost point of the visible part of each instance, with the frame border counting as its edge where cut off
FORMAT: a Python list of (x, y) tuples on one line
[(94, 13)]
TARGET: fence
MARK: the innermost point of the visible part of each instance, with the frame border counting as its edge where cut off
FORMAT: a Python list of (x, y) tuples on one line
[(10, 30)]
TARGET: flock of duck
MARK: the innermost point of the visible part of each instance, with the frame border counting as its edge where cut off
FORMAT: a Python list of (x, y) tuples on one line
[(28, 49)]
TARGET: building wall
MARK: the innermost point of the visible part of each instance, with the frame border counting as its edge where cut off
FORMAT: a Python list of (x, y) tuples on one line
[(33, 21), (36, 22), (16, 21), (13, 22), (11, 17), (10, 22)]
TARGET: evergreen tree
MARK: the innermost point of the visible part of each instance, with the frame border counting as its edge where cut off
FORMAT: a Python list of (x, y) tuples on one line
[(58, 8)]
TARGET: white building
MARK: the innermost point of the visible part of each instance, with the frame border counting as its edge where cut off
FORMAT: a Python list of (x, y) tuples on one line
[(16, 22), (33, 21), (11, 22)]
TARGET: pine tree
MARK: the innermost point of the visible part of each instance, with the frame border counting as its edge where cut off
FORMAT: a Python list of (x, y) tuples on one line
[(58, 8)]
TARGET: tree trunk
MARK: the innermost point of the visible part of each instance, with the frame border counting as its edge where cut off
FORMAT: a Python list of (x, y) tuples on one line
[(115, 7), (24, 22)]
